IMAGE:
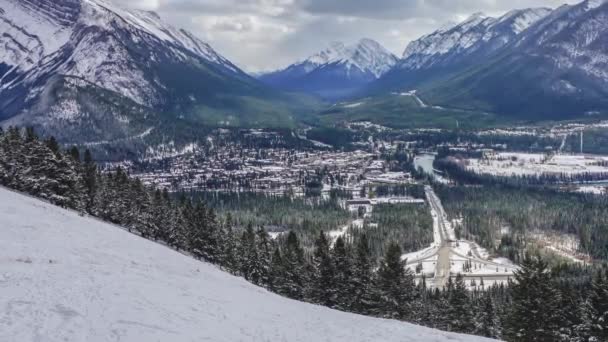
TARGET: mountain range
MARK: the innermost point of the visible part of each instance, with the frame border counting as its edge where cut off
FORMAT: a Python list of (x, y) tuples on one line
[(89, 71), (337, 71), (555, 69), (456, 47), (528, 65)]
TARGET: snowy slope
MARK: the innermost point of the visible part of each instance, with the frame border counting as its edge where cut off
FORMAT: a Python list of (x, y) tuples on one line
[(477, 35), (335, 71), (68, 278)]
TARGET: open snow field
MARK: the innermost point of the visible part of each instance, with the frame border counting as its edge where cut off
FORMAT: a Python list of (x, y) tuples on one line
[(69, 278), (509, 164)]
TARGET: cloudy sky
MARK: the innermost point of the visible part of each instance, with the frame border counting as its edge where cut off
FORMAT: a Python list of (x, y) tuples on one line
[(268, 34)]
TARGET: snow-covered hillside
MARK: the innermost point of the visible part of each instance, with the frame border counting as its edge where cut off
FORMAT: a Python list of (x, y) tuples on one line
[(477, 35), (68, 278)]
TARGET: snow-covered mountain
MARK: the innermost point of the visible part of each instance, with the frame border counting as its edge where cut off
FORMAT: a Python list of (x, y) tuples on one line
[(71, 278), (336, 71), (70, 64), (453, 48), (557, 68), (477, 35)]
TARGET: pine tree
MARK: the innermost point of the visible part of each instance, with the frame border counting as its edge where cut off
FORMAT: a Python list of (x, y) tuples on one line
[(264, 253), (460, 314), (277, 273), (599, 307), (344, 282), (534, 296), (89, 179), (487, 322), (74, 153), (394, 285), (53, 145), (251, 267), (294, 268), (363, 296), (229, 252), (322, 288), (178, 229)]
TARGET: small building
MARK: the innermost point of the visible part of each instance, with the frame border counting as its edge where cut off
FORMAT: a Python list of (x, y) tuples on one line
[(359, 202)]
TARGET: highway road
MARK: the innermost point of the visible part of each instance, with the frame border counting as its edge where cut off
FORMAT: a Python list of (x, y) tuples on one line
[(443, 265), (445, 241)]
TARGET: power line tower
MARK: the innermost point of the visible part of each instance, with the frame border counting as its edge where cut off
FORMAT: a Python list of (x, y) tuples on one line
[(582, 132)]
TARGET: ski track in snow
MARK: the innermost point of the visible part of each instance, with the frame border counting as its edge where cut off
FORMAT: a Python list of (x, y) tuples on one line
[(69, 278)]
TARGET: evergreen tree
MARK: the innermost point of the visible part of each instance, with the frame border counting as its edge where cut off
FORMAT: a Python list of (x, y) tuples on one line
[(599, 307), (362, 296), (294, 268), (264, 253), (460, 314), (229, 253), (344, 280), (251, 267), (394, 285), (322, 289), (53, 145), (277, 273), (487, 322), (534, 296), (90, 179), (74, 153)]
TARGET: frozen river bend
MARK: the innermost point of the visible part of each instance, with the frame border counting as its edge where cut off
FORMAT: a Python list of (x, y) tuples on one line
[(69, 278)]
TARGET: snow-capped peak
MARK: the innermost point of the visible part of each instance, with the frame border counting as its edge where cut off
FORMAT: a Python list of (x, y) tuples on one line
[(151, 23), (334, 51), (474, 34), (367, 55)]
